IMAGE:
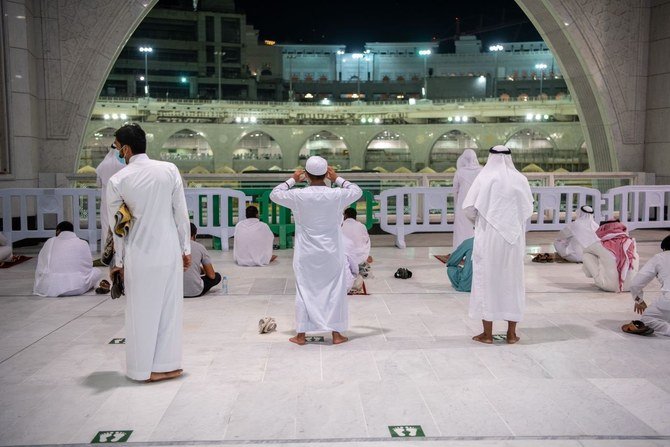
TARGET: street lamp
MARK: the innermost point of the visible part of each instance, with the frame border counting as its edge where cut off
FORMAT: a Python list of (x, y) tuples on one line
[(541, 67), (146, 51), (425, 54), (495, 49), (358, 57)]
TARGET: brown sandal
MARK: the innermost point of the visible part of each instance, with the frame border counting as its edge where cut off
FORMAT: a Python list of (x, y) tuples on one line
[(103, 288)]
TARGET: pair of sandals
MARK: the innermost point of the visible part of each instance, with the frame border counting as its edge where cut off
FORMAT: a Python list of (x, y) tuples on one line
[(544, 257), (637, 327), (116, 288)]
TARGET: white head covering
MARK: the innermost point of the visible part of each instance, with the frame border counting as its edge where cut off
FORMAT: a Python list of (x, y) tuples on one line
[(468, 160), (501, 195), (584, 227), (316, 165)]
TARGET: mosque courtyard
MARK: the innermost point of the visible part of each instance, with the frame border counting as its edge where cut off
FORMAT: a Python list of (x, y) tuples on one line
[(573, 380)]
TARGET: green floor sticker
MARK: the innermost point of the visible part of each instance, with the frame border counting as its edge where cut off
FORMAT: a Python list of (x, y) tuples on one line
[(315, 339), (111, 436), (406, 431), (499, 337), (118, 341)]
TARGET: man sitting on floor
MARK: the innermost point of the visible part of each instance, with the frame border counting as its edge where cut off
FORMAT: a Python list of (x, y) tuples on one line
[(359, 249), (253, 240), (459, 266), (577, 235), (612, 261), (657, 314), (65, 265), (200, 276), (5, 249)]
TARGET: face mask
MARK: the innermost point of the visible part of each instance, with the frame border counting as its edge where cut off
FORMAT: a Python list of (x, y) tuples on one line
[(119, 157)]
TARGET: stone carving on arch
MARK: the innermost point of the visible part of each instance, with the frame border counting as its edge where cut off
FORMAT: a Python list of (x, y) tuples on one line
[(601, 47)]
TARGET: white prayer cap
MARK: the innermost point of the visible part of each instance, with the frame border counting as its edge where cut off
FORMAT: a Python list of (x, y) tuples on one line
[(500, 149), (587, 209), (316, 165)]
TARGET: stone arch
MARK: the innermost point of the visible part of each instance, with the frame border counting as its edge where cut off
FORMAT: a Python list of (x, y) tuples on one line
[(328, 145), (96, 145), (256, 148), (188, 149), (449, 146), (389, 150)]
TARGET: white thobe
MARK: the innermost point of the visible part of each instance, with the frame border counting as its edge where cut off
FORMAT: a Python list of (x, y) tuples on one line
[(575, 237), (5, 249), (253, 243), (65, 267), (359, 249), (466, 172), (600, 264), (500, 203), (109, 166), (657, 314), (319, 261), (152, 261)]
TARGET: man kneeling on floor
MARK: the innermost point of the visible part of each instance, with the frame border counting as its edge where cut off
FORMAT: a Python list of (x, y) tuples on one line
[(200, 276), (64, 265), (655, 316)]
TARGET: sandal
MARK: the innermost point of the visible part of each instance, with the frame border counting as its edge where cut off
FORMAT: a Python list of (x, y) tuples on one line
[(103, 288), (637, 327)]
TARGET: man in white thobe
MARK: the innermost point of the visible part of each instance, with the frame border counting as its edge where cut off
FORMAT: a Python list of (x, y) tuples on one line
[(467, 169), (657, 314), (319, 262), (64, 265), (577, 235), (253, 240), (155, 253), (358, 235), (5, 249), (110, 165), (499, 202)]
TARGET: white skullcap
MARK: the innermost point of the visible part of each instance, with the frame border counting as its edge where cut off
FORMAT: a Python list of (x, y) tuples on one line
[(316, 165), (587, 209)]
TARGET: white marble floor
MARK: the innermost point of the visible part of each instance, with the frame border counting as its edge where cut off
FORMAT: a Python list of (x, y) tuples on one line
[(574, 379)]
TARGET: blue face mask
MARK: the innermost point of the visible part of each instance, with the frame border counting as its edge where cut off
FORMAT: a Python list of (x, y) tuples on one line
[(119, 157)]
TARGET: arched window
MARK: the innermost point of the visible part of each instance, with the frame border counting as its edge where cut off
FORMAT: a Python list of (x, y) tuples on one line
[(96, 147), (188, 149), (531, 146), (389, 151), (449, 147), (327, 145), (257, 149)]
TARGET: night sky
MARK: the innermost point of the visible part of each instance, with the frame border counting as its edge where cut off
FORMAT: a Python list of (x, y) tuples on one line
[(353, 23)]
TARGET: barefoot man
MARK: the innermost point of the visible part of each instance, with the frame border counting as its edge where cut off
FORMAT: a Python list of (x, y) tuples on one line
[(319, 261), (499, 203)]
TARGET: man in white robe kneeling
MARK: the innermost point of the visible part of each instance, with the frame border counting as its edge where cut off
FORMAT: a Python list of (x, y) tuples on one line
[(319, 262), (577, 235), (499, 202), (65, 265), (253, 240)]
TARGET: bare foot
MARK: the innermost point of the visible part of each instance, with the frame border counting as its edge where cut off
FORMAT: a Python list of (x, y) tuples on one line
[(483, 338), (512, 338), (299, 339), (339, 338), (159, 376)]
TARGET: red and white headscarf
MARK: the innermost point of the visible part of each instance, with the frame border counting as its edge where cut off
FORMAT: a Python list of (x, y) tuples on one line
[(614, 237)]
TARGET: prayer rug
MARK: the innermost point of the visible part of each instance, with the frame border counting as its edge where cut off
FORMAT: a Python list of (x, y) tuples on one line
[(442, 258), (362, 291), (18, 259)]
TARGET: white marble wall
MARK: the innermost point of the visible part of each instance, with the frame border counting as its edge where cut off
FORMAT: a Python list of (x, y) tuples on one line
[(657, 136), (59, 53)]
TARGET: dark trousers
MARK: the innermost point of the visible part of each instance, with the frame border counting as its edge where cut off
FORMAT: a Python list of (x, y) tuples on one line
[(208, 283)]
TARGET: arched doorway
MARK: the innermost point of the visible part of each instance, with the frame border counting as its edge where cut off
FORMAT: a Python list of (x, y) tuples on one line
[(188, 149), (449, 147), (257, 149), (531, 146), (95, 147), (327, 145), (389, 151)]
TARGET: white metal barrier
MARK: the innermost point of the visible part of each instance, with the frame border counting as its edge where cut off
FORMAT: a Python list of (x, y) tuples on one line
[(405, 211), (639, 206), (39, 210), (202, 206)]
